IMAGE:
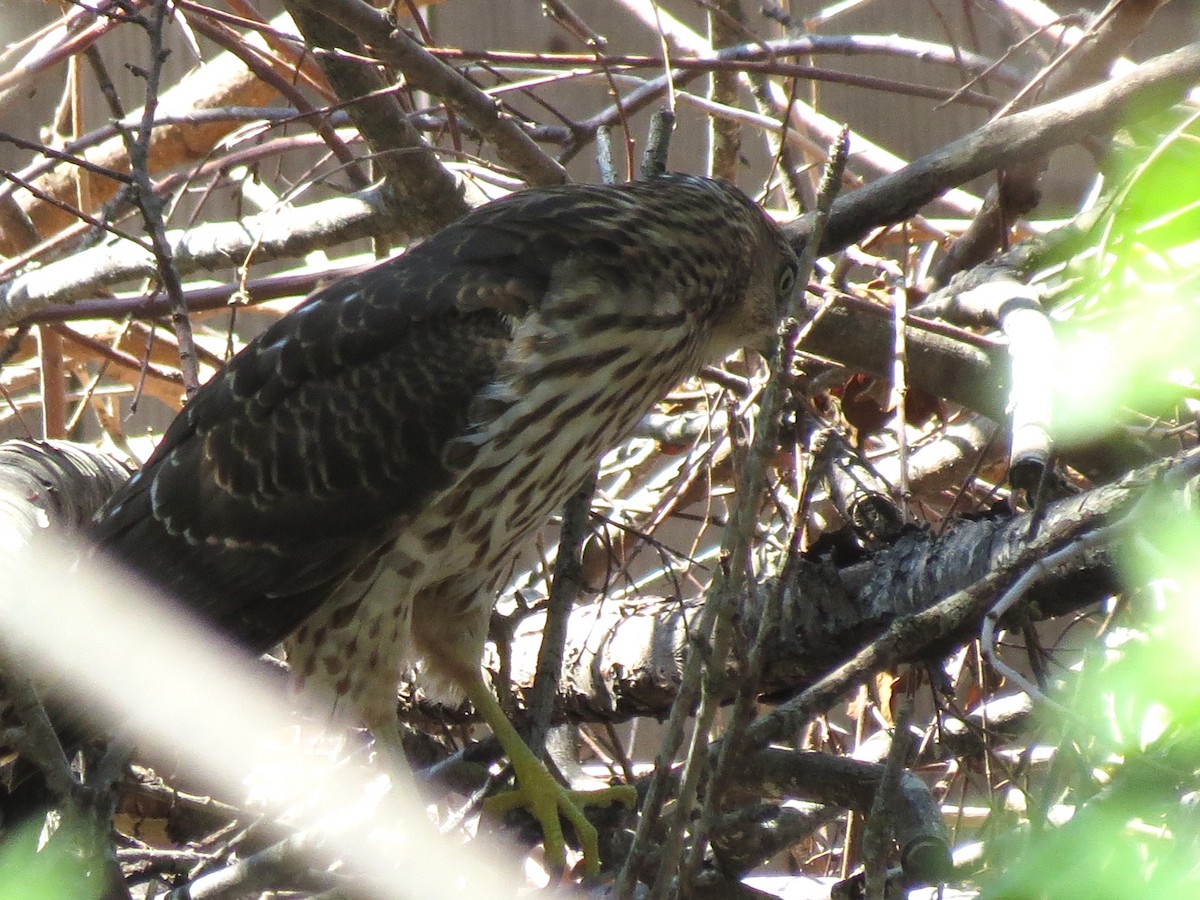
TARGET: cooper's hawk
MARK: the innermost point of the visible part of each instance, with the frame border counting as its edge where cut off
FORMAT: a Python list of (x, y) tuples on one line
[(359, 475)]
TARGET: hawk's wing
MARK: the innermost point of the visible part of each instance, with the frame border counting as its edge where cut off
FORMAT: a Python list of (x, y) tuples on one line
[(296, 460)]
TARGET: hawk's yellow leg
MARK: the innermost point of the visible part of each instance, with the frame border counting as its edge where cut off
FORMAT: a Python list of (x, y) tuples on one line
[(539, 792)]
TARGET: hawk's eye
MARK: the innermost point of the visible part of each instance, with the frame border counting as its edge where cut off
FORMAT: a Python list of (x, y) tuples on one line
[(787, 279)]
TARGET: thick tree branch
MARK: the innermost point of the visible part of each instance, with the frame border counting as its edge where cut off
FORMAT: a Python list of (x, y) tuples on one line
[(1146, 91), (208, 247)]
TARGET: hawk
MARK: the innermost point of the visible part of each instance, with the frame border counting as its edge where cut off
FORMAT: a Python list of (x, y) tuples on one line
[(356, 479)]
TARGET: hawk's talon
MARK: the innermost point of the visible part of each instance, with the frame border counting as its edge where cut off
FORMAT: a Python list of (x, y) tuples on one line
[(539, 792), (547, 801)]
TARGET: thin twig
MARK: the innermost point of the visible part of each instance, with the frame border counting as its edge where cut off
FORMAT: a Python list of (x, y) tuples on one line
[(427, 72), (147, 200)]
